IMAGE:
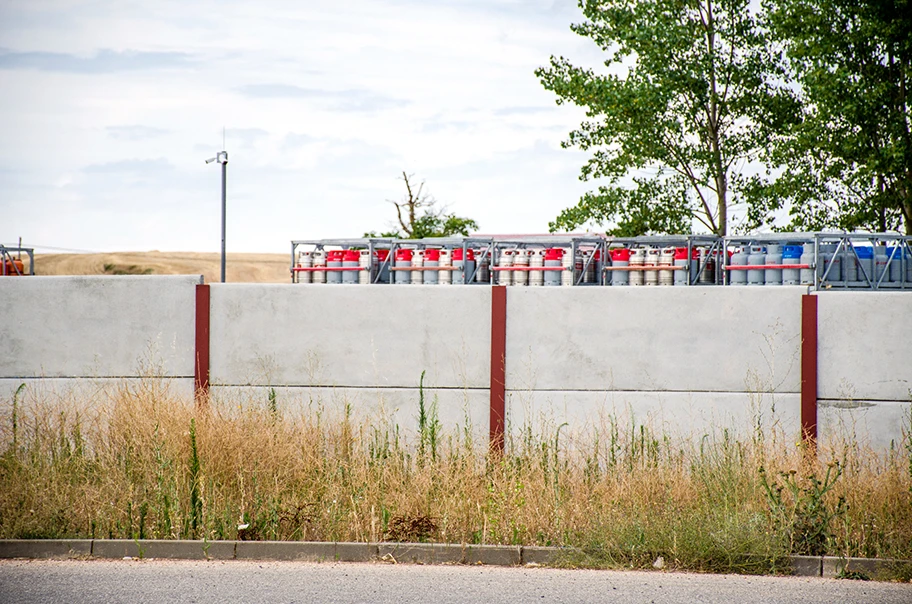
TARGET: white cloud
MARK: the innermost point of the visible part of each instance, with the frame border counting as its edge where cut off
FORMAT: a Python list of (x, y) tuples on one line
[(110, 108)]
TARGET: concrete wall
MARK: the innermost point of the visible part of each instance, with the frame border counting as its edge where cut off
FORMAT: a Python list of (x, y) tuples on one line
[(682, 359), (60, 331), (365, 347), (865, 364), (685, 360)]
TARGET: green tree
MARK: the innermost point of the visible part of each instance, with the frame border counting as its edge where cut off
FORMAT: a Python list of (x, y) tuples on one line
[(418, 216), (686, 103), (847, 163)]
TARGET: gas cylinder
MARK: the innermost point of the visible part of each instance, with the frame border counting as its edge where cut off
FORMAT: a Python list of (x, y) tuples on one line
[(652, 259), (620, 257), (807, 257), (350, 259), (366, 265), (831, 263), (536, 259), (319, 261), (865, 263), (553, 258), (773, 276), (383, 272), (403, 260), (334, 260), (571, 267), (466, 266), (590, 261), (708, 262), (666, 258), (446, 277), (521, 260), (417, 277), (305, 260), (431, 259), (637, 258), (880, 263), (757, 257), (739, 258), (791, 254), (505, 261)]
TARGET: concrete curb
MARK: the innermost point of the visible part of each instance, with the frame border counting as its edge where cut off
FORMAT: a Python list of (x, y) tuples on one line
[(414, 553)]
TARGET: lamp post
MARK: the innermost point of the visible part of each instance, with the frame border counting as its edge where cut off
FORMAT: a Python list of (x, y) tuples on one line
[(222, 158)]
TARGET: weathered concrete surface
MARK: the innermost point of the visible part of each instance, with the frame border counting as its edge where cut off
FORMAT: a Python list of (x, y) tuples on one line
[(350, 335), (97, 326), (45, 548), (677, 414), (458, 410), (865, 346), (76, 392), (648, 338), (875, 424)]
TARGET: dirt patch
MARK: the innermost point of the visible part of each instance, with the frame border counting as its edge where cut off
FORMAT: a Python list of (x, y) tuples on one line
[(240, 268)]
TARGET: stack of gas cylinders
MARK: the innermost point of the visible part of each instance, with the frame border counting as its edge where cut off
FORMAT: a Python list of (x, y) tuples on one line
[(849, 266), (752, 264)]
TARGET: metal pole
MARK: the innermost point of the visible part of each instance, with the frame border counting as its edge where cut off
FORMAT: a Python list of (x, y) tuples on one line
[(224, 185)]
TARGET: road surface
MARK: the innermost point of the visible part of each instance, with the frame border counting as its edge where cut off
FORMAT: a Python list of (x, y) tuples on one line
[(158, 581)]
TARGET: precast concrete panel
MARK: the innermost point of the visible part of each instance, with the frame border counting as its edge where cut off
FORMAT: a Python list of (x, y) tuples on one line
[(864, 346), (350, 335), (97, 326), (460, 412), (599, 416), (685, 339)]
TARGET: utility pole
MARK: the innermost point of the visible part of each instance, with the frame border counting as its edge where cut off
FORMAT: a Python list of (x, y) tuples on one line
[(222, 158)]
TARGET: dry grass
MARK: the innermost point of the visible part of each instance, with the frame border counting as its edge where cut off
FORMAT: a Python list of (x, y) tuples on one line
[(124, 466), (240, 268)]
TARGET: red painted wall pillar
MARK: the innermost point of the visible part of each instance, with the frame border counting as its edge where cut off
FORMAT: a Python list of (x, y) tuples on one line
[(498, 367), (809, 369), (201, 356)]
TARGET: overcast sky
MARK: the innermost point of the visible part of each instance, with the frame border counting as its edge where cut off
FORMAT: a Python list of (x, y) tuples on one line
[(108, 110)]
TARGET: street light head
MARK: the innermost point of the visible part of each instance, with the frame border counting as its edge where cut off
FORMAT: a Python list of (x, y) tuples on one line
[(211, 159)]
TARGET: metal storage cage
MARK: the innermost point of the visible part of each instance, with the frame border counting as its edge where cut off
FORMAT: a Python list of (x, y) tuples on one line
[(828, 260), (12, 267)]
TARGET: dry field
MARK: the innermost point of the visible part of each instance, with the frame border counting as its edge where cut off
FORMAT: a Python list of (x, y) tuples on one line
[(244, 268)]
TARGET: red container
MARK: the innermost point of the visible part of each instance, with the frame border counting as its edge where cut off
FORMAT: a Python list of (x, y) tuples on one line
[(335, 255), (351, 256), (431, 255), (403, 255), (382, 254), (457, 254), (620, 254), (554, 253)]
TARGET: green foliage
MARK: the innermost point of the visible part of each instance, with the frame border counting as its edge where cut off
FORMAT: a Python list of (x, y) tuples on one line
[(803, 513), (418, 217), (847, 160), (687, 100), (429, 427), (196, 502)]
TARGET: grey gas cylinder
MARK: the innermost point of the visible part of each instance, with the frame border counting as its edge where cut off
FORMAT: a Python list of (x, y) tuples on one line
[(739, 258), (431, 260), (880, 262), (791, 254), (553, 258), (830, 263), (351, 259), (620, 257), (773, 276), (403, 260), (334, 260), (757, 257), (807, 257)]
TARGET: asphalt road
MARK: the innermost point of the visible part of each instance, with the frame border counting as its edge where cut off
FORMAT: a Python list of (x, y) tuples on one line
[(157, 581)]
